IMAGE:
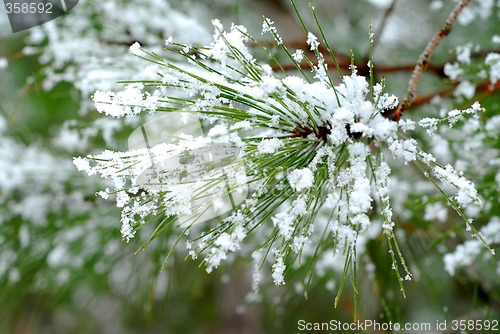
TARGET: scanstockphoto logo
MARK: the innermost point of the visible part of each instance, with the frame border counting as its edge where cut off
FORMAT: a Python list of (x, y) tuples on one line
[(26, 14)]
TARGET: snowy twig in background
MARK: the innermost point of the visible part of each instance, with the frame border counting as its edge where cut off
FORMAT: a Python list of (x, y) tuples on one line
[(423, 60)]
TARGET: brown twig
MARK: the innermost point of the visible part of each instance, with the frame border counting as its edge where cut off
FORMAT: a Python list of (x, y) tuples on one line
[(426, 98), (423, 60), (486, 89), (483, 90)]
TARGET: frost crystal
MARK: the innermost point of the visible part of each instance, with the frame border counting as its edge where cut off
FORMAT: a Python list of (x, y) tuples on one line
[(298, 55), (312, 41)]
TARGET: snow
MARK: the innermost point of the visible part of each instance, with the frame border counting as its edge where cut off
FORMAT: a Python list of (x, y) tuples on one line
[(93, 59), (436, 211), (466, 89), (430, 123), (380, 3), (301, 179), (279, 271), (4, 63), (455, 114), (466, 192), (135, 48), (312, 41), (436, 5), (453, 71), (493, 61), (467, 253), (493, 126), (298, 55), (285, 223), (129, 102), (464, 53), (269, 146), (404, 148)]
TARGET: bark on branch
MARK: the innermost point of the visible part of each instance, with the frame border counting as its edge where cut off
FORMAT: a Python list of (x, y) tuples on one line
[(423, 60)]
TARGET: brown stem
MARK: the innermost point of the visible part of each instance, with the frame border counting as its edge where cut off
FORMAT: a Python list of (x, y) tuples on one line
[(483, 90), (486, 89), (423, 99), (423, 60)]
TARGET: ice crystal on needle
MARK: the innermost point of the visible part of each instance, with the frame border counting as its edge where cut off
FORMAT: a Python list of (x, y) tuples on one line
[(311, 153)]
